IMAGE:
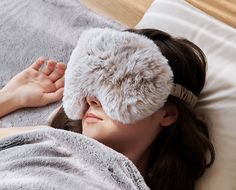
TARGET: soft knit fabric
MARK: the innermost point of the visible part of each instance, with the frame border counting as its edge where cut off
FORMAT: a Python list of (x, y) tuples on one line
[(46, 159)]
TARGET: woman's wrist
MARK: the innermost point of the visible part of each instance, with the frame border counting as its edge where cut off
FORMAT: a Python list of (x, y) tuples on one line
[(9, 102)]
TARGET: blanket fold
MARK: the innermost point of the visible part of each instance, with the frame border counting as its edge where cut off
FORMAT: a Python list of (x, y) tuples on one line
[(57, 159)]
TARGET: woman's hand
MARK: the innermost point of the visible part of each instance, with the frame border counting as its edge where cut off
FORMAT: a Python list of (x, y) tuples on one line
[(34, 87)]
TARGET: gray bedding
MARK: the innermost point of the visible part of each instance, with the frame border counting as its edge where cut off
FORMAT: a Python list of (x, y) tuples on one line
[(54, 159), (33, 28)]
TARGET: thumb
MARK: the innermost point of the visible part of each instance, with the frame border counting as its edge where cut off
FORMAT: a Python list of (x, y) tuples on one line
[(53, 97)]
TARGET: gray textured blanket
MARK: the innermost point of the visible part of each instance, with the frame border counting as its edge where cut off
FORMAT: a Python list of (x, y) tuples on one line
[(48, 158), (33, 28)]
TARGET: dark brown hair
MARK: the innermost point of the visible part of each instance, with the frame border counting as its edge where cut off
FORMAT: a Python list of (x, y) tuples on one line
[(180, 152)]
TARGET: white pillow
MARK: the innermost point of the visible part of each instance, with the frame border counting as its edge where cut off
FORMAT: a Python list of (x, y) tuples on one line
[(218, 99)]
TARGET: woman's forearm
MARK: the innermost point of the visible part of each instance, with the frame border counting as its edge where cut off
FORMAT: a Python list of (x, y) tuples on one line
[(4, 132), (8, 102)]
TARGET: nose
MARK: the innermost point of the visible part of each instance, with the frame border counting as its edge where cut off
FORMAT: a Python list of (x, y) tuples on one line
[(93, 101)]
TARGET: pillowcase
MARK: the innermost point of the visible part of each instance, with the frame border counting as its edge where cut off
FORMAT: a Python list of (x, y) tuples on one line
[(218, 98)]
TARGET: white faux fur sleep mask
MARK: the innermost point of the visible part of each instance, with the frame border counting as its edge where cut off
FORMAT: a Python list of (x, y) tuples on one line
[(125, 71)]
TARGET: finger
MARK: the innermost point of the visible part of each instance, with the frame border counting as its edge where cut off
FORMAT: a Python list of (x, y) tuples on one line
[(38, 63), (61, 66), (53, 97), (51, 64), (60, 83), (58, 72)]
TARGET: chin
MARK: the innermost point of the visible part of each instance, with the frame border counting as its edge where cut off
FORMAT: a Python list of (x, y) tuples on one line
[(92, 131), (98, 130)]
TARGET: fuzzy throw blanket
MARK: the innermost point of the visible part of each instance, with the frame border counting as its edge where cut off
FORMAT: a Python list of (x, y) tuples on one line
[(33, 28), (47, 159)]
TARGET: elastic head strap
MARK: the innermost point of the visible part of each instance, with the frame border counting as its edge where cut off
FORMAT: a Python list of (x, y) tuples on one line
[(184, 94)]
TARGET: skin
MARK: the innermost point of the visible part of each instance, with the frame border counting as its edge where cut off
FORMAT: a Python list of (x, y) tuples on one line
[(36, 87), (132, 140), (33, 87)]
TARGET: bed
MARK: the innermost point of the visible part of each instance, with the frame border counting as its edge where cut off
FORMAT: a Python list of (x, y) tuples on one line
[(24, 22)]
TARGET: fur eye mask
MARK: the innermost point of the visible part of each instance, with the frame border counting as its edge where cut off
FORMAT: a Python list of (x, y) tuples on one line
[(125, 71)]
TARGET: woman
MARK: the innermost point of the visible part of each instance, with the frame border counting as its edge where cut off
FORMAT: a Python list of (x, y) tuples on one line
[(169, 146)]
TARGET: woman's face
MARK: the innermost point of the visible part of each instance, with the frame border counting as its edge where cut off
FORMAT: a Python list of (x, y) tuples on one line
[(115, 134)]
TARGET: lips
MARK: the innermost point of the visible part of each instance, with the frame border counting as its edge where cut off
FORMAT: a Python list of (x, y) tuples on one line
[(91, 115)]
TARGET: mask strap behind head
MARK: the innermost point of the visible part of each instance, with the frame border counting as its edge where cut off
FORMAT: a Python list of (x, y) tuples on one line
[(184, 94)]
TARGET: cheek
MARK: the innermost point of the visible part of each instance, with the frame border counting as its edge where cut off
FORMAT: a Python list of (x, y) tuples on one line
[(126, 132), (141, 129), (101, 130), (108, 131)]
